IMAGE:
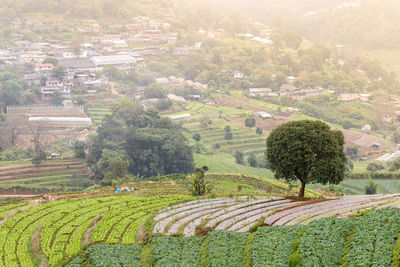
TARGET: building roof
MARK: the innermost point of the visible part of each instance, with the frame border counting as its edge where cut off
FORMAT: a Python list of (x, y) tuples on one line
[(60, 119), (263, 114), (113, 60), (180, 116), (77, 63)]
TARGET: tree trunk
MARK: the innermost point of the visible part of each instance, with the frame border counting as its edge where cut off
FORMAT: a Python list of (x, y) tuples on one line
[(302, 189)]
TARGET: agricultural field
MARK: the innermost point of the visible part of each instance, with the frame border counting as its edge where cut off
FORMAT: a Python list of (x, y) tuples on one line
[(68, 174), (57, 231), (223, 185), (41, 233), (242, 214), (384, 186), (370, 239), (97, 110)]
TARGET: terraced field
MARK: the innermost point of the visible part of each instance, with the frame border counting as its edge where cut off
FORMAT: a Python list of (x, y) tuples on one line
[(240, 215), (357, 186), (223, 185), (99, 108), (60, 228), (369, 240), (51, 175), (51, 234)]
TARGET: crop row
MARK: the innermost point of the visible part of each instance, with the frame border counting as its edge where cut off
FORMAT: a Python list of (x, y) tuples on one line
[(64, 224), (369, 240)]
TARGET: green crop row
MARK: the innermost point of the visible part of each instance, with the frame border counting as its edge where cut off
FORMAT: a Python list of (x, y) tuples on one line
[(63, 225), (226, 248), (322, 244), (369, 240), (172, 251), (373, 239)]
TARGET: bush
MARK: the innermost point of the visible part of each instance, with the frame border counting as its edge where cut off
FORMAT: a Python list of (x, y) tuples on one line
[(370, 188), (375, 167), (239, 157), (250, 122), (347, 125), (199, 185), (79, 149), (197, 137), (228, 136), (252, 160)]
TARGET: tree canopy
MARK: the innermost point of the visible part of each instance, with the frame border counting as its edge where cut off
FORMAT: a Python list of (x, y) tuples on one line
[(306, 151), (142, 141)]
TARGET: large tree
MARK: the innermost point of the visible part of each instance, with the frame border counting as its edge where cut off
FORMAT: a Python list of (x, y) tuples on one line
[(149, 144), (306, 151)]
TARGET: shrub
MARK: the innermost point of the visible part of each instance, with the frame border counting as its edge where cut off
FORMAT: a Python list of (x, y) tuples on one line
[(250, 122), (199, 185), (370, 188), (197, 137), (239, 157), (228, 136), (252, 160)]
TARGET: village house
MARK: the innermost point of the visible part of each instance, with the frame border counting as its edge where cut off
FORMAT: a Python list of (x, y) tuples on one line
[(32, 57), (286, 88), (259, 91), (238, 75), (180, 51), (119, 44), (349, 97), (43, 67), (303, 94), (292, 109), (54, 83)]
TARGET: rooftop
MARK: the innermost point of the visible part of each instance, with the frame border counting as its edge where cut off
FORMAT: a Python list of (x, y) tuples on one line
[(113, 60)]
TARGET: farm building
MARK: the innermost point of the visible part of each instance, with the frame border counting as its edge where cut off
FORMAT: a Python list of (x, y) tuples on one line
[(64, 122), (263, 115), (180, 116), (113, 60)]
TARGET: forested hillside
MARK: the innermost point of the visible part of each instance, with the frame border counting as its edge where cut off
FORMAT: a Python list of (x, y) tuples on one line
[(91, 8), (371, 24)]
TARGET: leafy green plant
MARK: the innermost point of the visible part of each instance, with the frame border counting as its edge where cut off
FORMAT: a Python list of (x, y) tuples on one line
[(199, 184)]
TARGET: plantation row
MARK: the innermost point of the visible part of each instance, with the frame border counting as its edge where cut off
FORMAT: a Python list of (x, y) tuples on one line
[(369, 240), (66, 224), (53, 175), (62, 228), (237, 215)]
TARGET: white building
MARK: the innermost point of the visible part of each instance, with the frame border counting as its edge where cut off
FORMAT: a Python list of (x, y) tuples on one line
[(114, 60), (263, 115)]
